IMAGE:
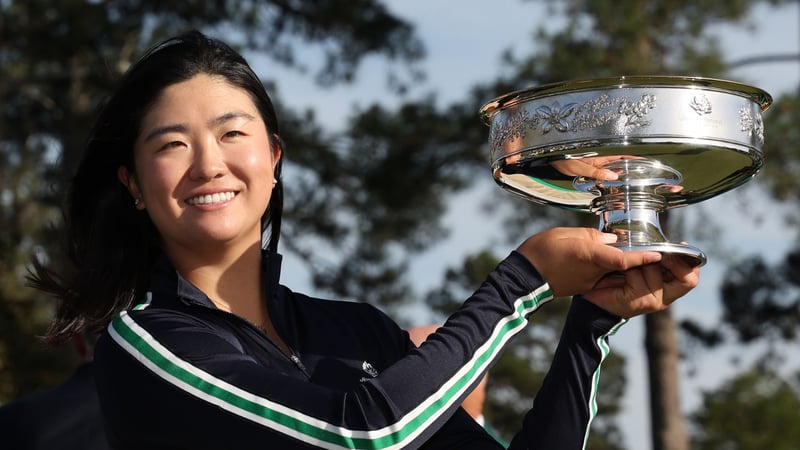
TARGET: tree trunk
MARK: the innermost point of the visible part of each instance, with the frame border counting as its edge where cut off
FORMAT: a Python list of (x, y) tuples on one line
[(661, 341)]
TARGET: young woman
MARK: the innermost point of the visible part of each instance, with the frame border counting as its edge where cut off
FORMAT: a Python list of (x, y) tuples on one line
[(204, 349)]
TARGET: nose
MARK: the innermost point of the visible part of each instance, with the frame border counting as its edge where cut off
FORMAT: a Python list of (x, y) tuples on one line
[(208, 162)]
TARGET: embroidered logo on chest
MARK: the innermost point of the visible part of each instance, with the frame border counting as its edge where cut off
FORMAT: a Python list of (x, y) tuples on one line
[(369, 370)]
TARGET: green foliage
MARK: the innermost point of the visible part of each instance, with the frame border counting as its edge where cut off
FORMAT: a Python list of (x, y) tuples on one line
[(761, 304), (782, 147), (763, 301), (387, 183), (754, 410), (629, 37)]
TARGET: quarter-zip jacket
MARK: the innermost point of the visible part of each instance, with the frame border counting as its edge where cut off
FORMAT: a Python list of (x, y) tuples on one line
[(178, 373)]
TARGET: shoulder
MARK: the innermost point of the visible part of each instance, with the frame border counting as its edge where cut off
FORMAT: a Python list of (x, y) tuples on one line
[(164, 331)]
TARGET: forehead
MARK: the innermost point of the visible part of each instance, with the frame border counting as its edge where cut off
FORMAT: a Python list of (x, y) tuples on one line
[(201, 97)]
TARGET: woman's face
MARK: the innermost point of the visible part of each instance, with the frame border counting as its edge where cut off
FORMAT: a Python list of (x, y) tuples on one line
[(204, 166)]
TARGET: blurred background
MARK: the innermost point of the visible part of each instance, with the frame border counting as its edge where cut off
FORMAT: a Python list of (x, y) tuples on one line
[(389, 195)]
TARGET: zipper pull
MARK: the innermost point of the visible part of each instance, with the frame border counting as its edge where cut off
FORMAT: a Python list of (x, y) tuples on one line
[(299, 365)]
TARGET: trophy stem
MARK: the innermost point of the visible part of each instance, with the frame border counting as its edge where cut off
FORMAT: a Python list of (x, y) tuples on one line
[(630, 205)]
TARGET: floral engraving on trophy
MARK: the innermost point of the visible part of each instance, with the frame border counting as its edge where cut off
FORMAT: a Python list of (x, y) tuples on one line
[(636, 111), (604, 109), (752, 125), (555, 116), (514, 127), (701, 104), (625, 114)]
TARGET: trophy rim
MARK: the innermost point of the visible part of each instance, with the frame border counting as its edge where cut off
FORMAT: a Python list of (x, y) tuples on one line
[(757, 95)]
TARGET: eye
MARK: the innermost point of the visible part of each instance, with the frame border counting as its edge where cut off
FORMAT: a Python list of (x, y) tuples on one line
[(171, 144), (233, 134)]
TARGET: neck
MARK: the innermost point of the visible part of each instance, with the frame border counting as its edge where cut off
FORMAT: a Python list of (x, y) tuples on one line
[(233, 281), (230, 278)]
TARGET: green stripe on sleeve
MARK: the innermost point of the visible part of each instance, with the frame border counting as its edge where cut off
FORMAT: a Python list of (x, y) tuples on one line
[(605, 350)]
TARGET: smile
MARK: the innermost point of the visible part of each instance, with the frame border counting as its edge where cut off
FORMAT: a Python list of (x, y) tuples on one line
[(210, 199)]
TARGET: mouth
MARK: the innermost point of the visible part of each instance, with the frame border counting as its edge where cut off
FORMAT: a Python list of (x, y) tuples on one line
[(211, 199)]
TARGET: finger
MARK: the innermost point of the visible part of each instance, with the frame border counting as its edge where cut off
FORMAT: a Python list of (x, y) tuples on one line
[(612, 280), (681, 286), (630, 299), (645, 292), (683, 273), (654, 282), (592, 234), (603, 174), (615, 259), (676, 265)]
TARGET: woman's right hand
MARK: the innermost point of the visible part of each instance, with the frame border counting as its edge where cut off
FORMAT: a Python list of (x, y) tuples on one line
[(645, 289), (574, 260)]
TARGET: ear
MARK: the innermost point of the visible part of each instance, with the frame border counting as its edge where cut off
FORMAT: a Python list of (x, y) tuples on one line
[(277, 151), (129, 181)]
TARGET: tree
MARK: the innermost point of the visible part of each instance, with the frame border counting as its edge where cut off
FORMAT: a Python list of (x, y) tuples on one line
[(756, 409), (783, 149), (760, 305), (385, 191)]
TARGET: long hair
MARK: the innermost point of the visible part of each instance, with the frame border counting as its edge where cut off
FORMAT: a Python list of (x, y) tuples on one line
[(111, 245)]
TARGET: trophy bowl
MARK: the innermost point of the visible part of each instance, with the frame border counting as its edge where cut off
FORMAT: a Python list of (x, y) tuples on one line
[(628, 148)]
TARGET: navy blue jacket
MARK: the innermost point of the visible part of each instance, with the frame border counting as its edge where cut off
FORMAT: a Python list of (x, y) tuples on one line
[(177, 372)]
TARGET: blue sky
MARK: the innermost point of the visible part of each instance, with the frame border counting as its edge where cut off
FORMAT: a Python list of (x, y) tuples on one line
[(464, 44)]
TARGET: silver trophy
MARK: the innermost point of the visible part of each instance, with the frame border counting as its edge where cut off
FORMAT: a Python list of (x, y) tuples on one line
[(628, 148)]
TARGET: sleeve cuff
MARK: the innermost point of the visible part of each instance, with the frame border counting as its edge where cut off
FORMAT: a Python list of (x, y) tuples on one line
[(587, 315)]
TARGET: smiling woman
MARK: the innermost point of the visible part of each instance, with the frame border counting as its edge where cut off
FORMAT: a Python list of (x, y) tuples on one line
[(205, 181), (203, 348)]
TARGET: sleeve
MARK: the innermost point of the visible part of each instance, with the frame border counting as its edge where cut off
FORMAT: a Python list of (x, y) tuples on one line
[(565, 404), (179, 386)]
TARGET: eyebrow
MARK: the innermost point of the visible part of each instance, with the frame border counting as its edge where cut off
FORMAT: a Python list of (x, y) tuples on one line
[(178, 128), (215, 122)]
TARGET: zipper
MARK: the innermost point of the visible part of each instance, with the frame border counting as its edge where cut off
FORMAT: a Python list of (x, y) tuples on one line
[(299, 365), (290, 356)]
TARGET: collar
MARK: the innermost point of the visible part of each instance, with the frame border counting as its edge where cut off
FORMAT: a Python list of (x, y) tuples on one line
[(166, 283)]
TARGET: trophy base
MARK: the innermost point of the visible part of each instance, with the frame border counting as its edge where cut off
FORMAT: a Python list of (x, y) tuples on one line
[(691, 255), (629, 206)]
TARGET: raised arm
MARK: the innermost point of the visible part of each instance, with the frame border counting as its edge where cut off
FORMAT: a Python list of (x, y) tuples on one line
[(565, 405)]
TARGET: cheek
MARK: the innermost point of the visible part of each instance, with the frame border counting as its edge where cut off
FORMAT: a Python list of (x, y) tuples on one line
[(158, 180), (261, 164)]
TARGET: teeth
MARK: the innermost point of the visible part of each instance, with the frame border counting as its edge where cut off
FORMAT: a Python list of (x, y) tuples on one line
[(210, 199)]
